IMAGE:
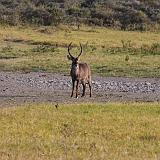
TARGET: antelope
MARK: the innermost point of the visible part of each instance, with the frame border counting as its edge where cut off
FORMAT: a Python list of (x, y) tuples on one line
[(80, 73)]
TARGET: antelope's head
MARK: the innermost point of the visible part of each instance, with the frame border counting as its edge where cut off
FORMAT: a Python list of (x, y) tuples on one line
[(72, 58)]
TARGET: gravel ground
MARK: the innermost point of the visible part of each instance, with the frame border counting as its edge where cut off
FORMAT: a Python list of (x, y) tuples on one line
[(19, 88)]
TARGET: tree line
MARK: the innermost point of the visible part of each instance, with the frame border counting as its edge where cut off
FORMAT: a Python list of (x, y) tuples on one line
[(125, 15)]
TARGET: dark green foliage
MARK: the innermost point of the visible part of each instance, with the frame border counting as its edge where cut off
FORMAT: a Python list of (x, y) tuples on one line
[(125, 15)]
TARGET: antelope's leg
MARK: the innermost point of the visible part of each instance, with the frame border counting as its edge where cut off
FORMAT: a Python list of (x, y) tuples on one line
[(90, 88), (73, 84), (77, 86), (84, 89)]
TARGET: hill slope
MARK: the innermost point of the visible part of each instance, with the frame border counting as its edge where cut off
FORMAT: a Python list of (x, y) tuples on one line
[(126, 14)]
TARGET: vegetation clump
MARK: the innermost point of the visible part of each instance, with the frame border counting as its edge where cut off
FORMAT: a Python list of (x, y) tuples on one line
[(126, 15)]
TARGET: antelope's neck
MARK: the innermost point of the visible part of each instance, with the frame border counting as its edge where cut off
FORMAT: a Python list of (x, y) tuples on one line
[(75, 70)]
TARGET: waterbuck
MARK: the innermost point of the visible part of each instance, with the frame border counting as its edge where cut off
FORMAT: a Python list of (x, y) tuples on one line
[(80, 73)]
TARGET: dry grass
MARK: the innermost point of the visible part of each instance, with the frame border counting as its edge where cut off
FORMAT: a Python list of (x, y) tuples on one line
[(81, 131), (34, 49), (64, 35)]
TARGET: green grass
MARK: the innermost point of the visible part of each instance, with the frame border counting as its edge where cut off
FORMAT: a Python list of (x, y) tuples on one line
[(45, 49), (80, 131)]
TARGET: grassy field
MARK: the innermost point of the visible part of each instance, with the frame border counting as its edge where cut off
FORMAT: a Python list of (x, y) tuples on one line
[(80, 131), (109, 52)]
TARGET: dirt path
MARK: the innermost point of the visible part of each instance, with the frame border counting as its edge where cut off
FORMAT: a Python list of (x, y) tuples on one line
[(18, 88)]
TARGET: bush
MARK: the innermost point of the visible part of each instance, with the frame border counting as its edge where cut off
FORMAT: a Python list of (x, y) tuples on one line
[(126, 14), (40, 16)]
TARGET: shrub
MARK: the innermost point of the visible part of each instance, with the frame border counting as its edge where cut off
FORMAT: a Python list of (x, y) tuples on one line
[(126, 14)]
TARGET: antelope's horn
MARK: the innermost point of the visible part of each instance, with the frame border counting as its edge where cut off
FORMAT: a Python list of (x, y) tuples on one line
[(80, 51), (69, 49)]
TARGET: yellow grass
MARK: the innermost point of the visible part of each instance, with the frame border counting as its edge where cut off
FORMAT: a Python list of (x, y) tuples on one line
[(64, 35), (97, 43), (81, 131)]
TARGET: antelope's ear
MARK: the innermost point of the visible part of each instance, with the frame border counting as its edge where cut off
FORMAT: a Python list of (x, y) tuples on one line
[(69, 57)]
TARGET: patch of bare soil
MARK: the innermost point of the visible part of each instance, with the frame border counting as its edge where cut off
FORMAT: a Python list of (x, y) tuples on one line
[(19, 88)]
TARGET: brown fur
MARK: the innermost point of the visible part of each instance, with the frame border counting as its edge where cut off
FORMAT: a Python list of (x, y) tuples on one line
[(80, 74)]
